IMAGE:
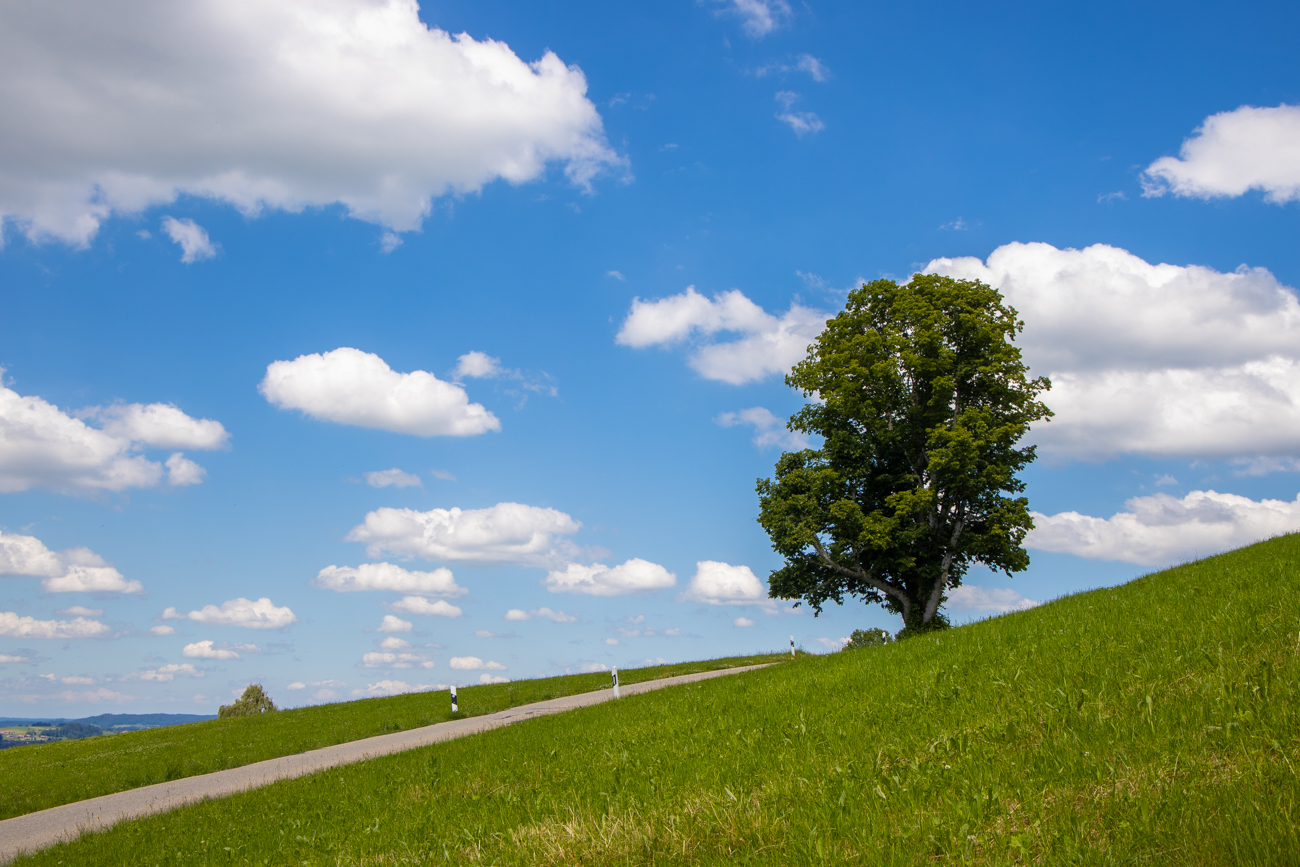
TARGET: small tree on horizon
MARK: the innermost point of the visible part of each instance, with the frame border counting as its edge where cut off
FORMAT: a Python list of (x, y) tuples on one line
[(872, 637), (254, 701), (920, 396)]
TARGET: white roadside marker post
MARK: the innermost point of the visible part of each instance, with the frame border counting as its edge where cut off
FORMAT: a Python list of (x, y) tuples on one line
[(614, 672), (454, 709), (791, 646)]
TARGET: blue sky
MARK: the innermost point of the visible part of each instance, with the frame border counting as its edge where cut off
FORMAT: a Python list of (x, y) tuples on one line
[(257, 253)]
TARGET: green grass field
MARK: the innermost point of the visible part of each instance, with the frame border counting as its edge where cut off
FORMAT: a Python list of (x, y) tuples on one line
[(47, 775), (1154, 723)]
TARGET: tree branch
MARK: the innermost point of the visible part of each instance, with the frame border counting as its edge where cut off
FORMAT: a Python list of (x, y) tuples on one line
[(862, 575)]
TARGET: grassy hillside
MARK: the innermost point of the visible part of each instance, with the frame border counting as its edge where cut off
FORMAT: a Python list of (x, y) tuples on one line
[(47, 775), (1155, 723)]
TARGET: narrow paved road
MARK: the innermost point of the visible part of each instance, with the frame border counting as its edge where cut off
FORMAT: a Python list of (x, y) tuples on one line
[(36, 831)]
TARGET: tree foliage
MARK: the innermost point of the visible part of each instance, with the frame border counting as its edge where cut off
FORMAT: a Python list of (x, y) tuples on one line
[(921, 397), (75, 731), (253, 702), (873, 637)]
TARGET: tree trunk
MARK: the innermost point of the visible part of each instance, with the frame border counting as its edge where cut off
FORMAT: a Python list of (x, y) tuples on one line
[(936, 594)]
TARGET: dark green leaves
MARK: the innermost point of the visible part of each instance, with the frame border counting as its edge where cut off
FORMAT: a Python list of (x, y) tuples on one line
[(920, 397)]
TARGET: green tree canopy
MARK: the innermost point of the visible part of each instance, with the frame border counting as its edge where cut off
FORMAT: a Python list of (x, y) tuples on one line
[(873, 637), (920, 396), (252, 702)]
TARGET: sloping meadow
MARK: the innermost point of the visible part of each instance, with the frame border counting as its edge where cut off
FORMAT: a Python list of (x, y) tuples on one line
[(37, 778), (1151, 723)]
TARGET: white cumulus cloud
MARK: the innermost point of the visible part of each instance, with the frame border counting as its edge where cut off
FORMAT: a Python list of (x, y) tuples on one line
[(193, 239), (988, 600), (79, 611), (504, 533), (348, 386), (206, 650), (162, 630), (393, 478), (389, 687), (486, 678), (326, 693), (43, 447), (388, 659), (423, 607), (769, 428), (395, 624), (742, 622), (765, 345), (477, 365), (390, 577), (1159, 530), (634, 576), (543, 612), (717, 583), (14, 626), (76, 570), (1233, 152), (262, 614), (473, 663), (161, 425), (167, 673), (91, 579), (281, 105), (93, 697), (1158, 360), (182, 471), (71, 680)]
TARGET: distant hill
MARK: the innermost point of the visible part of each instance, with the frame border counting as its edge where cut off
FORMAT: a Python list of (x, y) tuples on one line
[(110, 720)]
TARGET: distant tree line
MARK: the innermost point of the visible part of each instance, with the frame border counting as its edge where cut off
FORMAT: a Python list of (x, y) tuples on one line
[(62, 732), (74, 731)]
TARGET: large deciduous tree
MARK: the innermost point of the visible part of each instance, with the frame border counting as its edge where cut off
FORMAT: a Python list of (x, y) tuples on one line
[(920, 396)]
